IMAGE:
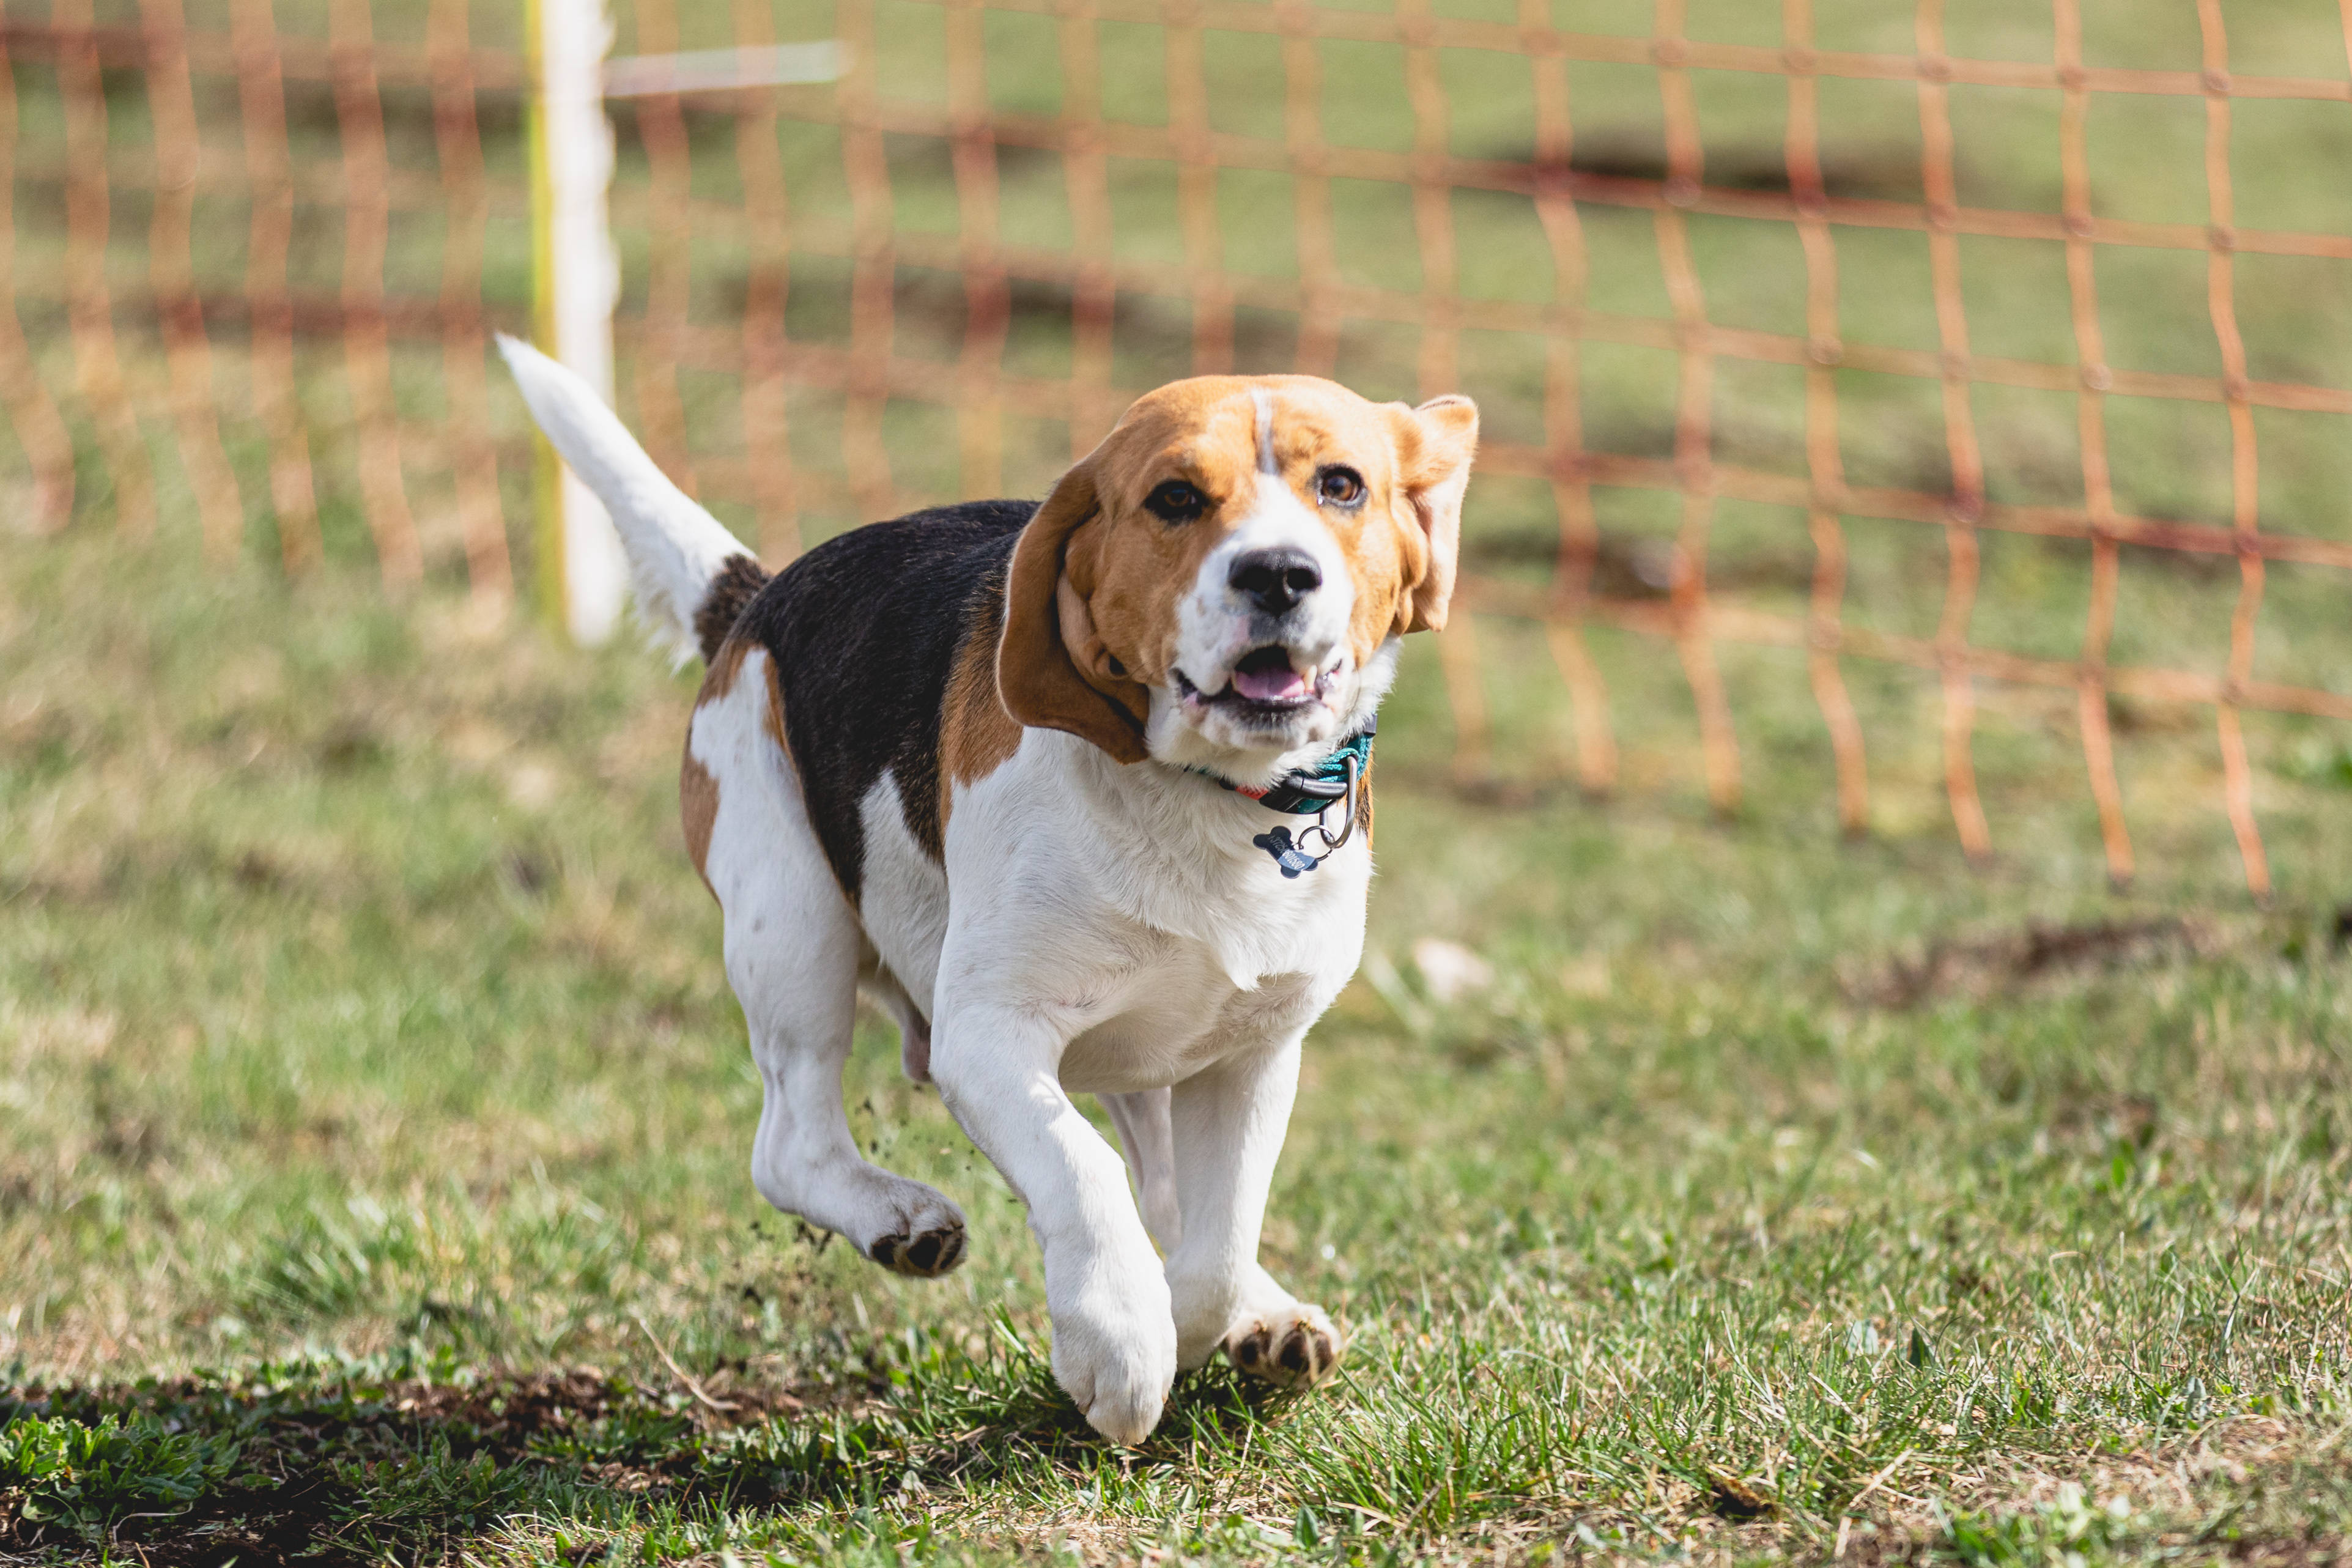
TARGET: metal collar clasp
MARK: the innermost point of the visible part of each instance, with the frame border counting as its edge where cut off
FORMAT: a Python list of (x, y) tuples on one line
[(1293, 857)]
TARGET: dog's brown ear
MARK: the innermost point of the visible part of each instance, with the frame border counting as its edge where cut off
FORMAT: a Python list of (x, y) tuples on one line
[(1053, 671), (1435, 443)]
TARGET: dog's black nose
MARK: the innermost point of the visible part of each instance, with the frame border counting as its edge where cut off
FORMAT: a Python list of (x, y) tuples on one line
[(1275, 580)]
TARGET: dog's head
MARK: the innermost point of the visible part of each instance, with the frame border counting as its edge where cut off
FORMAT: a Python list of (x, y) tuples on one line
[(1221, 582)]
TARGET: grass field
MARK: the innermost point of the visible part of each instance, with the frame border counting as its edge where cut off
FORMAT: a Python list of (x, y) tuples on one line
[(373, 1122)]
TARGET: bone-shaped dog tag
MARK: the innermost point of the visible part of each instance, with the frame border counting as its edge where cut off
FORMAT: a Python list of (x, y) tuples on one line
[(1286, 854)]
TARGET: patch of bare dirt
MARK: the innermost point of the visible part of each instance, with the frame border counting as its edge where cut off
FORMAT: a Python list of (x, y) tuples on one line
[(1981, 966)]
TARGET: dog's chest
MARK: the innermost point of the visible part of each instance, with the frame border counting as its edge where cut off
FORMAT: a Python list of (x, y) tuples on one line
[(1182, 1016), (1220, 955), (1140, 910)]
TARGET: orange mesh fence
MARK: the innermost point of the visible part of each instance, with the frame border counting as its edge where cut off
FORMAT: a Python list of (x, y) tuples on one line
[(843, 301)]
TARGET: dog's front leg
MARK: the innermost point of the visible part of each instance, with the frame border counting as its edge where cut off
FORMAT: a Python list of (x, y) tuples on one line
[(1228, 1124), (1114, 1339)]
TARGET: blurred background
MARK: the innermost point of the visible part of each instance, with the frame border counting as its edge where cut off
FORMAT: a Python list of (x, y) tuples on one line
[(1880, 404)]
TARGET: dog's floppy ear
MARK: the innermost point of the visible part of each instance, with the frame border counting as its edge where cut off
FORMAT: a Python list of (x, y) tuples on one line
[(1053, 671), (1434, 445)]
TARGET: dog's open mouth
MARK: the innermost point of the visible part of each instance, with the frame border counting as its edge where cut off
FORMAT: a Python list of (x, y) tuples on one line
[(1263, 684)]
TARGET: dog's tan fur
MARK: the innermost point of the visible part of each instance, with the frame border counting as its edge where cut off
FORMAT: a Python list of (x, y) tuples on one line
[(1091, 607), (698, 809), (976, 734)]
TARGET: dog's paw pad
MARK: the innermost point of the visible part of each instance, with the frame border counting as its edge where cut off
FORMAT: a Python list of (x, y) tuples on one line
[(925, 1255), (1291, 1352)]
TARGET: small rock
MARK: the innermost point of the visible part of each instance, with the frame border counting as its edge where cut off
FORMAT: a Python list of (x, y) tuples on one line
[(1450, 970), (532, 785)]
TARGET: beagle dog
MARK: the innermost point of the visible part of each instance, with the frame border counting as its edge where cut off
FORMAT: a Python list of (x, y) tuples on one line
[(1026, 774)]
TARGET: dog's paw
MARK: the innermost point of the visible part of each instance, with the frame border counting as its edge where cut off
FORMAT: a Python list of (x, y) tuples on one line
[(1294, 1348), (1121, 1394), (1115, 1349), (924, 1254), (916, 1232)]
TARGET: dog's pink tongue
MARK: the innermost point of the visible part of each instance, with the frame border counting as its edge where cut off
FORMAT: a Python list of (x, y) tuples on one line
[(1270, 683)]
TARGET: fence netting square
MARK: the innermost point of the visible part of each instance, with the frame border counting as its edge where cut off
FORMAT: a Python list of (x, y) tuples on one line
[(1753, 299)]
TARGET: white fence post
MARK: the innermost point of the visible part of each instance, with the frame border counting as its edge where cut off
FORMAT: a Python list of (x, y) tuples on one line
[(575, 278)]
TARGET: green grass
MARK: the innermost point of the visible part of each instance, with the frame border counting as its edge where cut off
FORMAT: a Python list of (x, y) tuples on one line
[(371, 1165)]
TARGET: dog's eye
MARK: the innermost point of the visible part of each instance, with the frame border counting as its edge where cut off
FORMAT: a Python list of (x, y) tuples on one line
[(1177, 501), (1340, 487)]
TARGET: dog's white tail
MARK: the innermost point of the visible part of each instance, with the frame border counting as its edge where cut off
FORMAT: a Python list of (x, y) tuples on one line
[(676, 551)]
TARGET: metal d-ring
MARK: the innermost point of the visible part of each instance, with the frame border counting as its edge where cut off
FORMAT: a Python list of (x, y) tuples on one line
[(1347, 829)]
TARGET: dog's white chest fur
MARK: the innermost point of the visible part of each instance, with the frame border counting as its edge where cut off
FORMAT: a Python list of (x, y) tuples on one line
[(1132, 898)]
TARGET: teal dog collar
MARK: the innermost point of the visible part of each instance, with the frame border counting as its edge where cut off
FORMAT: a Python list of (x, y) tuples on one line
[(1336, 780), (1311, 792)]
